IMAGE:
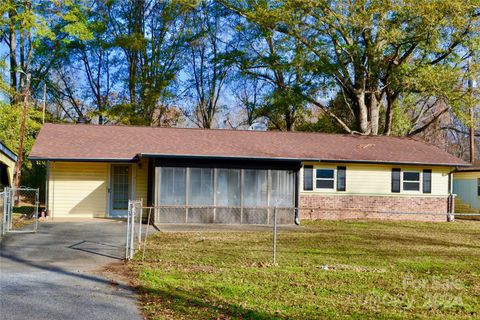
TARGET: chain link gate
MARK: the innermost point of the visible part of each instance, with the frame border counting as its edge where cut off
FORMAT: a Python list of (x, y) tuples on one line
[(2, 213), (20, 210)]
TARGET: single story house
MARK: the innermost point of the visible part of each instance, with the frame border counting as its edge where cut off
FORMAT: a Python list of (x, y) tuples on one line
[(466, 186), (8, 159), (236, 176)]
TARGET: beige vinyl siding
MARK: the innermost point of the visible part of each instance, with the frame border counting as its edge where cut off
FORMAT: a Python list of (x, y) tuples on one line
[(141, 181), (78, 189), (375, 179), (466, 175), (10, 166)]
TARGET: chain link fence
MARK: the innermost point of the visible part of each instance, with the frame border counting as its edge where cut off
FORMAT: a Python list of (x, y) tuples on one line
[(175, 214), (2, 214), (223, 215), (19, 210)]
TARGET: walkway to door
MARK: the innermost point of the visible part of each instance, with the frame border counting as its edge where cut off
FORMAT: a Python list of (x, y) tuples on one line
[(55, 273)]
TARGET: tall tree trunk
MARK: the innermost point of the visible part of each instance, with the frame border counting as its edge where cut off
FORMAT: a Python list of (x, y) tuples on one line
[(362, 112), (374, 114), (132, 77), (136, 30), (387, 130), (22, 132), (13, 56), (22, 58)]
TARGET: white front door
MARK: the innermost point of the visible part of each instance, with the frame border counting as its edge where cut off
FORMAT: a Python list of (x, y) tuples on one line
[(120, 190)]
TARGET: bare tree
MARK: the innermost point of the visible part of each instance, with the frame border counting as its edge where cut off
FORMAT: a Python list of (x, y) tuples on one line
[(208, 71)]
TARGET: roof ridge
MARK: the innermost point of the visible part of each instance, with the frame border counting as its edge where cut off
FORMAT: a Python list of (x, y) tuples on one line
[(240, 130)]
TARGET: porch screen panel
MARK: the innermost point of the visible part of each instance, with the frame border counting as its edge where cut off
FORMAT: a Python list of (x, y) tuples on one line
[(282, 188), (255, 188), (228, 187), (172, 186), (228, 197), (200, 193), (200, 189), (255, 197)]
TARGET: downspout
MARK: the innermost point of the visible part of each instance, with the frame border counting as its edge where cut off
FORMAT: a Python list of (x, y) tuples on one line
[(451, 198)]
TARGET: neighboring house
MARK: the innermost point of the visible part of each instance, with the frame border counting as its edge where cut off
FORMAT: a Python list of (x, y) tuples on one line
[(466, 186), (233, 176), (8, 159)]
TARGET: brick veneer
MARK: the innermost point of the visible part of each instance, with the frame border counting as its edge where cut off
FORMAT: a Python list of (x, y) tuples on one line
[(344, 207)]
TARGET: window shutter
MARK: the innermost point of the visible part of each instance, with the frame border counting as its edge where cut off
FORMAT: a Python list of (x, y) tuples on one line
[(427, 181), (341, 178), (396, 180), (308, 178)]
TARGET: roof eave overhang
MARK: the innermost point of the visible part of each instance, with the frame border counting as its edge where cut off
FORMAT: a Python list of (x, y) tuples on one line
[(214, 157), (9, 153), (34, 158), (403, 163), (469, 170)]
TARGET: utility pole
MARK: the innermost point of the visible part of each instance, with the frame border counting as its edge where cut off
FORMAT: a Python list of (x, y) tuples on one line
[(472, 136), (472, 123), (22, 132), (44, 101)]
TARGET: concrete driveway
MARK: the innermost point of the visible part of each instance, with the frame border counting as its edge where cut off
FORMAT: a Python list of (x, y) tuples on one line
[(56, 273)]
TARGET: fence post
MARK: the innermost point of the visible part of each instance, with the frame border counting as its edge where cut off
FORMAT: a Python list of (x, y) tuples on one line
[(140, 217), (10, 195), (275, 235), (146, 234), (127, 242), (4, 218), (37, 202), (132, 233)]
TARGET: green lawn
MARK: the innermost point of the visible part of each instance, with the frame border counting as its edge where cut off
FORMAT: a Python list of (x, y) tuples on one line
[(391, 270)]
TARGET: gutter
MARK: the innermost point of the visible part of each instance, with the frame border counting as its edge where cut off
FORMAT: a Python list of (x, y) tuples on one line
[(398, 163), (193, 156), (129, 160)]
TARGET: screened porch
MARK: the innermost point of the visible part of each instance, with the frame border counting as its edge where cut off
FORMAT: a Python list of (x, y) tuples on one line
[(224, 195)]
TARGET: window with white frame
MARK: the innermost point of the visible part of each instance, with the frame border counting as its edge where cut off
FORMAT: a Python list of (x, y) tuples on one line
[(411, 180), (325, 179)]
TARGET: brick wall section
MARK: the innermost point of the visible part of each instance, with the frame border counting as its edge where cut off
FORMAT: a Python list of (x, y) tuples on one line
[(346, 207)]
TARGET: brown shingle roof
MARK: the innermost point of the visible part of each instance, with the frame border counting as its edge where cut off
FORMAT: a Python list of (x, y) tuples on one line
[(90, 142), (475, 167)]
